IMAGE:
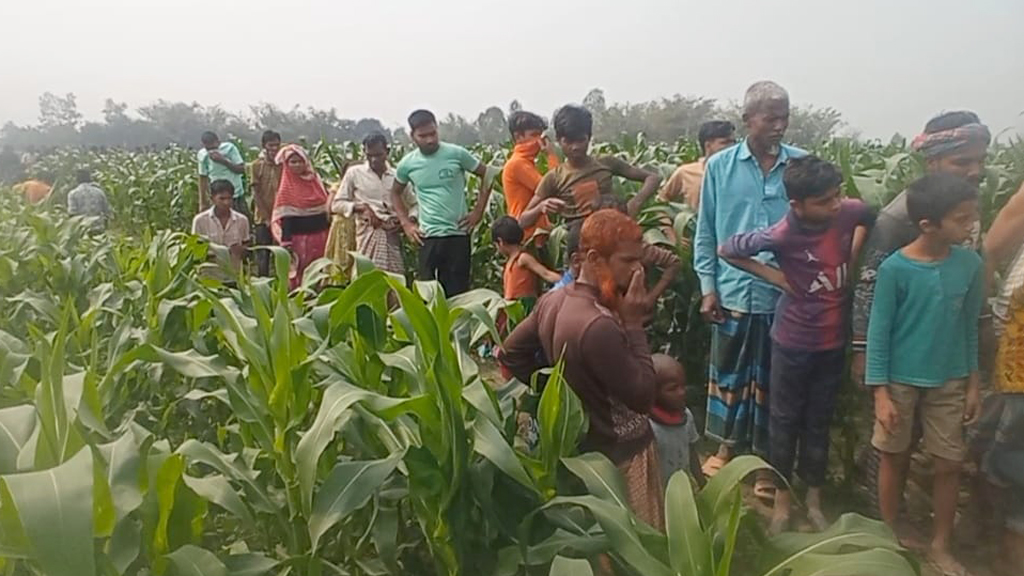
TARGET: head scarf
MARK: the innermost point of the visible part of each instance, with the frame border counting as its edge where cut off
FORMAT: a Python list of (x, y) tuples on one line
[(952, 140), (303, 195)]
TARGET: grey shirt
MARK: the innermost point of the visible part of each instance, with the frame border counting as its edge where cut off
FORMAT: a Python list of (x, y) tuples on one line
[(674, 443)]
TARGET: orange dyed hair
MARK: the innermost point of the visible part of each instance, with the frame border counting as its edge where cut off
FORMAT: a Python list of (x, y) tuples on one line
[(605, 229)]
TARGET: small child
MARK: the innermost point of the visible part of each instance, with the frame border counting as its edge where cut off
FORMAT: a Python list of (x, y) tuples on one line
[(521, 269), (675, 432), (814, 246), (922, 351), (571, 262)]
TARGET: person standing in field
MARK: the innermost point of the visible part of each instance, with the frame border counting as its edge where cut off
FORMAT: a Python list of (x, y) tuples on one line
[(220, 161), (364, 194), (437, 172), (743, 191), (595, 326), (582, 179), (88, 199), (264, 180), (224, 226), (922, 352), (814, 245), (299, 219), (522, 270), (684, 183), (520, 175)]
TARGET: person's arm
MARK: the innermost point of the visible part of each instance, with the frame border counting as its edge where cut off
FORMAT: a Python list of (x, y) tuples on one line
[(666, 261), (650, 180), (545, 189), (882, 241), (693, 437), (204, 192), (974, 302), (526, 260), (397, 202), (673, 188), (739, 250), (880, 326), (620, 357), (470, 221), (522, 352), (233, 161), (705, 249), (1005, 236), (345, 198)]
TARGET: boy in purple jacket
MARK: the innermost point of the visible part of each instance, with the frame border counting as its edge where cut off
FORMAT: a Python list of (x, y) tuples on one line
[(815, 246)]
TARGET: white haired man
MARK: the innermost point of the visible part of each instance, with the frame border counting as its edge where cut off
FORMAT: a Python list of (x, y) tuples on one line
[(742, 192)]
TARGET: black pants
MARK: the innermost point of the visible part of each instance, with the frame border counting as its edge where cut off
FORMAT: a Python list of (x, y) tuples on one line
[(445, 259), (804, 387), (263, 238)]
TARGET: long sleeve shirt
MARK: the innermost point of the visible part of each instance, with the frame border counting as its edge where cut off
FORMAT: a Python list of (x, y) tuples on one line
[(736, 196), (607, 365), (923, 329)]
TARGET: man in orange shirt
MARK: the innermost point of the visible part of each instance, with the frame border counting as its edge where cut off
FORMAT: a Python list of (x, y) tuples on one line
[(684, 184), (520, 176)]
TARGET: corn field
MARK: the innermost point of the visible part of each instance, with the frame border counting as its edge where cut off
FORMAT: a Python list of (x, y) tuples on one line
[(153, 421)]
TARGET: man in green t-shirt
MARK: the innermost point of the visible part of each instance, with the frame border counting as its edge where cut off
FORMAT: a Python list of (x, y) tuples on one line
[(437, 171), (220, 161)]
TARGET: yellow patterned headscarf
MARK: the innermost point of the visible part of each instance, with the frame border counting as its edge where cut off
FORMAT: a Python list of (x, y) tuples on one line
[(1010, 357)]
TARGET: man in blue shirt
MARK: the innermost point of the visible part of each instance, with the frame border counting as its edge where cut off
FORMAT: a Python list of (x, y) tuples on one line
[(742, 192)]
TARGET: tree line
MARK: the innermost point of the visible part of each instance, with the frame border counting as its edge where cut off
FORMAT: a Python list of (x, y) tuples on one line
[(61, 124)]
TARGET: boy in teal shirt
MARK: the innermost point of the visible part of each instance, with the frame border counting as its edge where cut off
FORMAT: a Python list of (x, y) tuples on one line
[(922, 351), (437, 171)]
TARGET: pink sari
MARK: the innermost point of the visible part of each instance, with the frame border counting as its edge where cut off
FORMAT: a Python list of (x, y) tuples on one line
[(299, 195)]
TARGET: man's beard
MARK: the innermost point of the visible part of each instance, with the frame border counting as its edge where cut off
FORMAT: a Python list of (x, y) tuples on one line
[(608, 291)]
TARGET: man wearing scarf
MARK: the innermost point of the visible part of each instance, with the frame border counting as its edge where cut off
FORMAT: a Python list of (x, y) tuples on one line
[(520, 175)]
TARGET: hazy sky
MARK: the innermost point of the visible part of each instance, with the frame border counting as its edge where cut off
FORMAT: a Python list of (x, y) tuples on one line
[(886, 65)]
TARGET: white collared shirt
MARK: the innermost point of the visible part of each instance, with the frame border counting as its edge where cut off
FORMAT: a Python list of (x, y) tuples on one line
[(362, 185), (209, 227)]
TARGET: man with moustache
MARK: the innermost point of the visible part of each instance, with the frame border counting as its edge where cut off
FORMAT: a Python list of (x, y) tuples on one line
[(595, 327), (742, 191)]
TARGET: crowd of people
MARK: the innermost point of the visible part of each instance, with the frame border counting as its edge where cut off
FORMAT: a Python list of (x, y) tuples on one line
[(796, 281)]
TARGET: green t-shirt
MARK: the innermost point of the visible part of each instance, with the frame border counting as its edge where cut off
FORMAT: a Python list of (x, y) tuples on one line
[(218, 171), (440, 183)]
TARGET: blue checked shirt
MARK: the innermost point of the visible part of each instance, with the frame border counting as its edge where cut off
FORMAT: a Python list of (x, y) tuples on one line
[(737, 197)]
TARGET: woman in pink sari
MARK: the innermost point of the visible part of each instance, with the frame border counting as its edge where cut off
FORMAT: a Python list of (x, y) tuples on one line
[(300, 218)]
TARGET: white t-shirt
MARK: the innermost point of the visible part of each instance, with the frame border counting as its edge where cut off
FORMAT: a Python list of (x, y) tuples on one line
[(674, 442)]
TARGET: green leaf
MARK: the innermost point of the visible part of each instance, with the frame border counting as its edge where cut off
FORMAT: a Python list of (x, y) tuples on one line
[(218, 490), (875, 561), (249, 564), (601, 477), (489, 443), (124, 471), (230, 467), (54, 508), (563, 566), (348, 487), (561, 420), (717, 493), (192, 560), (16, 426), (850, 530), (689, 550), (732, 531), (123, 547)]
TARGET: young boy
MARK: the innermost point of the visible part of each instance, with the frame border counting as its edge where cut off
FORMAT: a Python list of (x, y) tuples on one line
[(264, 180), (582, 179), (223, 226), (922, 351), (519, 177), (814, 246), (571, 262), (675, 432), (521, 269)]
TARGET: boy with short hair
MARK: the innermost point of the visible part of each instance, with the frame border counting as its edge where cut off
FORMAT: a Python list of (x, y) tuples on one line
[(521, 269), (582, 179), (222, 225), (675, 431), (264, 180), (922, 351), (220, 161), (571, 261), (814, 245), (520, 176)]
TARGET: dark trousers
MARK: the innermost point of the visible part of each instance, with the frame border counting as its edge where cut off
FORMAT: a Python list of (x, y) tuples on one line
[(445, 259), (804, 387), (263, 238)]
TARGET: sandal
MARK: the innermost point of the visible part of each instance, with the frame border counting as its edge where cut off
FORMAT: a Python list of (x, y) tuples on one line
[(712, 465), (764, 489)]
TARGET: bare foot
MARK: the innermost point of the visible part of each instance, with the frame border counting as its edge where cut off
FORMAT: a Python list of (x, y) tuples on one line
[(945, 563), (780, 512), (910, 538), (778, 524)]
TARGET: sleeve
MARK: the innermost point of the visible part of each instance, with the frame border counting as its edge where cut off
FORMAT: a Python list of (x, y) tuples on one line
[(248, 231), (402, 171), (621, 359), (973, 304), (467, 160), (705, 240), (879, 245), (749, 244), (204, 166), (234, 155), (522, 352), (195, 225), (546, 188), (617, 165), (524, 175), (345, 199), (864, 215), (659, 257), (673, 188), (879, 336), (692, 435)]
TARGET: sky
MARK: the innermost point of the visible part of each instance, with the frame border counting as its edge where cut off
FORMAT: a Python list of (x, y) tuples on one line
[(886, 65)]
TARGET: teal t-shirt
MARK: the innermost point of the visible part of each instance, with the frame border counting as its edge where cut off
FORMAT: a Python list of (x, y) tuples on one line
[(923, 329), (218, 171), (440, 182)]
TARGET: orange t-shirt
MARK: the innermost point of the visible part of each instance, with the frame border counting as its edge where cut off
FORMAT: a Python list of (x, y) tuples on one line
[(518, 281), (519, 179)]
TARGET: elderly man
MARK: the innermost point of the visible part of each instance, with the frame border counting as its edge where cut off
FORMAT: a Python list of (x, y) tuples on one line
[(742, 191)]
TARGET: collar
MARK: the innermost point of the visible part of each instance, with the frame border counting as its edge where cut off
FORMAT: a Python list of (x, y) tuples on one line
[(667, 417), (213, 216), (744, 153), (365, 167)]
